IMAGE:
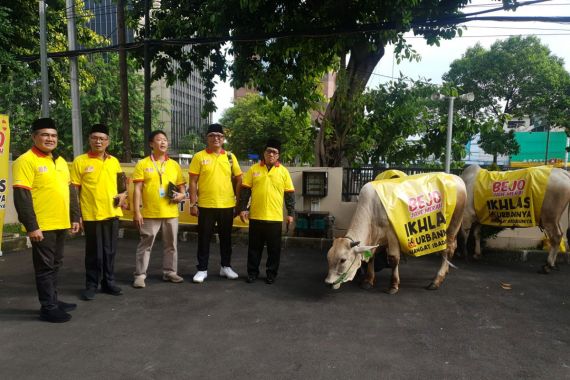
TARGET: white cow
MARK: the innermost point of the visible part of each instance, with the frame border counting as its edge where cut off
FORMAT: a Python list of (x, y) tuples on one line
[(370, 227), (556, 198)]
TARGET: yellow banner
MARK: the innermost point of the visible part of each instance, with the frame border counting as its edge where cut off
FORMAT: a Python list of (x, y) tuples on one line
[(185, 217), (512, 198), (4, 156), (419, 208)]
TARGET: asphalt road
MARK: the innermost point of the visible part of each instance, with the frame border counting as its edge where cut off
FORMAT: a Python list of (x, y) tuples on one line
[(297, 328)]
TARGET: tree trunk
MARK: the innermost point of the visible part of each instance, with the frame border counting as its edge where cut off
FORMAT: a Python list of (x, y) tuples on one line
[(338, 119)]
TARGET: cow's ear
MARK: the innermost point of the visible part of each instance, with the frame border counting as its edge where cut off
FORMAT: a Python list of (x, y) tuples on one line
[(363, 248), (354, 244)]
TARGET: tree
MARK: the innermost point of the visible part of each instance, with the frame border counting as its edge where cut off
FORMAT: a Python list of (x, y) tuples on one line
[(308, 40), (402, 125), (99, 85), (253, 119), (494, 140), (517, 76)]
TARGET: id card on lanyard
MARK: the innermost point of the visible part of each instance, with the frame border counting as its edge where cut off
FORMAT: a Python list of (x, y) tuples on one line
[(160, 188)]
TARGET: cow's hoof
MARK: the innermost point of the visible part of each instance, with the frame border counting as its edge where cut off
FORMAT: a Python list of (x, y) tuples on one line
[(477, 257), (392, 291), (335, 286), (432, 286), (366, 285)]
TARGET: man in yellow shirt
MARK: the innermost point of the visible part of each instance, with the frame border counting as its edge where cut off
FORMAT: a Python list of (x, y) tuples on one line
[(154, 177), (269, 185), (95, 175), (47, 206), (211, 173)]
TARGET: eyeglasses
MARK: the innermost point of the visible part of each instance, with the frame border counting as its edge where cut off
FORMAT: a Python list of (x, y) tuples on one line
[(101, 139), (274, 152), (216, 136)]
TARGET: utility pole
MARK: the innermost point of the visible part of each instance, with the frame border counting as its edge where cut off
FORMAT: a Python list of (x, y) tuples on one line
[(76, 131), (43, 60), (147, 80), (124, 84)]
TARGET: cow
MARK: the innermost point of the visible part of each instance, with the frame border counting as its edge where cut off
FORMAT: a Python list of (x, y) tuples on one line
[(556, 199), (371, 227)]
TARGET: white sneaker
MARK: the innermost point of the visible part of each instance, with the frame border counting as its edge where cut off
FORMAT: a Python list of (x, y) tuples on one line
[(228, 272), (200, 276)]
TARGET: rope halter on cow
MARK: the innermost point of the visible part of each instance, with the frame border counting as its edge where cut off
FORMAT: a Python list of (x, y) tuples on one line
[(364, 251)]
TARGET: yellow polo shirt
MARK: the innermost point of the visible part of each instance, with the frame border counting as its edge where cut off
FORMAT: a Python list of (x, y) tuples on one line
[(215, 178), (97, 179), (267, 191), (48, 181), (153, 204)]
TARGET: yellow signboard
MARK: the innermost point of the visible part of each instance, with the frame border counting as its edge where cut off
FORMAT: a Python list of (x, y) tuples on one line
[(512, 198), (185, 217), (4, 155), (419, 208)]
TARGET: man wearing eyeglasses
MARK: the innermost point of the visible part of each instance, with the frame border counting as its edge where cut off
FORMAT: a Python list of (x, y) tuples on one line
[(212, 200), (269, 185), (47, 206), (95, 176)]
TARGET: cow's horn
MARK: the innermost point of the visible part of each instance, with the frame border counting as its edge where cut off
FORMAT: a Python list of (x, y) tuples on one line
[(354, 244)]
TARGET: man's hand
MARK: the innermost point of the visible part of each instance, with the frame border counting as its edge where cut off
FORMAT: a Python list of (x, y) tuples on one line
[(289, 219), (178, 197), (244, 216), (75, 227), (138, 219), (36, 235), (122, 200)]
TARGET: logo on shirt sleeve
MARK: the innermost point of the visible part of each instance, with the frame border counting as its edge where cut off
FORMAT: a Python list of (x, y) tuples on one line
[(149, 170), (206, 162), (42, 169), (89, 169)]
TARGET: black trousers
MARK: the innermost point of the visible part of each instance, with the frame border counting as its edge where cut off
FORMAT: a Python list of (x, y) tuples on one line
[(100, 250), (208, 219), (261, 232), (47, 258)]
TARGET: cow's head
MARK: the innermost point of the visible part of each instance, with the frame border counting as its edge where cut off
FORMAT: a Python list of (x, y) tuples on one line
[(344, 258)]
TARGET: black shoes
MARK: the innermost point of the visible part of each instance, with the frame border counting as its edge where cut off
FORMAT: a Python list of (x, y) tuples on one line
[(56, 315), (67, 307), (88, 294), (113, 290), (270, 280), (251, 279)]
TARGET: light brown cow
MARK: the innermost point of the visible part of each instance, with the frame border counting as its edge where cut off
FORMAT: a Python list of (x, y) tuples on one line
[(370, 225), (556, 198)]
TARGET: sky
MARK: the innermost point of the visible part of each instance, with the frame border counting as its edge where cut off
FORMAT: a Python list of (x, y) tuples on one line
[(435, 60)]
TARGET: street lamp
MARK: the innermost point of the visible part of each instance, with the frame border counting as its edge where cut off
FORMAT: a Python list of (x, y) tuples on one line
[(469, 97)]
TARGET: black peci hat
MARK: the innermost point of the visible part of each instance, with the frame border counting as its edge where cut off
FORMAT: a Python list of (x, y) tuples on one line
[(273, 143), (215, 128), (44, 122), (99, 128)]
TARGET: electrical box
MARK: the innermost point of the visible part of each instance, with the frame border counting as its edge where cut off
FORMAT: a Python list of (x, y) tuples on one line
[(315, 184)]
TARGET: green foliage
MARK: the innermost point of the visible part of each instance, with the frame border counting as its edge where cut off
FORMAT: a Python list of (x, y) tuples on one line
[(494, 140), (254, 119), (99, 82), (403, 126), (191, 143), (516, 76), (288, 69)]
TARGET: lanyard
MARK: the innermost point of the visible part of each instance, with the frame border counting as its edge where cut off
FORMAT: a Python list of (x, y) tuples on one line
[(156, 167)]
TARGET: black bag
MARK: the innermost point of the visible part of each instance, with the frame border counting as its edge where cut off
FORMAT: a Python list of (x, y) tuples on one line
[(121, 182), (172, 189)]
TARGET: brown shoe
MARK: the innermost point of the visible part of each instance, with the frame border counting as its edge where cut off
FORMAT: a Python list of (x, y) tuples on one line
[(172, 277)]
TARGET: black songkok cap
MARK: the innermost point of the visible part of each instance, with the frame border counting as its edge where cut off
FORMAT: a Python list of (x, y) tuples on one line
[(273, 143), (215, 128), (44, 122), (99, 128)]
